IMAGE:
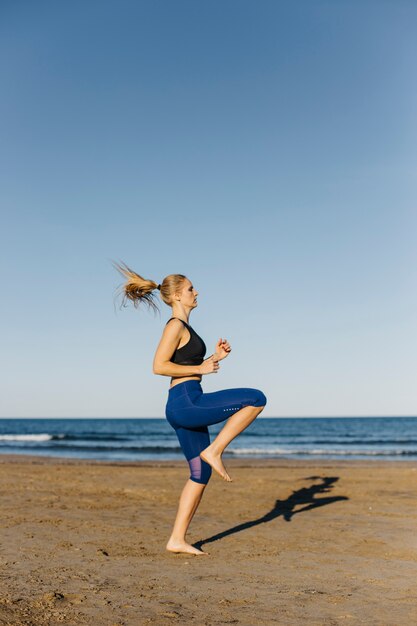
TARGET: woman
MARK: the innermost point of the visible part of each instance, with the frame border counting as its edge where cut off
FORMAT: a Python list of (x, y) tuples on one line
[(180, 355)]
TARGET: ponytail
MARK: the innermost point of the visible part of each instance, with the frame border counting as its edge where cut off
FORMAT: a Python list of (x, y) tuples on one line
[(136, 288), (139, 289)]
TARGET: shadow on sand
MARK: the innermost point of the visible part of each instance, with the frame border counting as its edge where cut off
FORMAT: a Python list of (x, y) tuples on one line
[(285, 508)]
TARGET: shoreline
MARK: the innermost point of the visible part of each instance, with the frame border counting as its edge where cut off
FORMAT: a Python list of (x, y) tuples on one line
[(232, 461)]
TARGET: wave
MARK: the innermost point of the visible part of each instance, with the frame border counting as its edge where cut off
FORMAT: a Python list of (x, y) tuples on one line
[(318, 451), (66, 437), (30, 437), (101, 437), (157, 449), (79, 436), (364, 441), (101, 448), (96, 437)]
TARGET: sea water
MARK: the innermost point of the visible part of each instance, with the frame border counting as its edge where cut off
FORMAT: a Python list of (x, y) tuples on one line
[(389, 438)]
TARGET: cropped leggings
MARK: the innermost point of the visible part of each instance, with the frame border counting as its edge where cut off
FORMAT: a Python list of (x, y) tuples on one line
[(189, 411)]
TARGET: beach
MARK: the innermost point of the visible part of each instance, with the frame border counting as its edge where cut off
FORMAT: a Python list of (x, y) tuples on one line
[(290, 542)]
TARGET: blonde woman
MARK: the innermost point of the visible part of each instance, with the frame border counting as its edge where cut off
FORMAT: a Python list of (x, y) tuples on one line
[(180, 355)]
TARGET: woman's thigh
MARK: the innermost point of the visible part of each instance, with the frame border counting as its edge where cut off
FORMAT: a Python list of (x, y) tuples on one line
[(205, 409)]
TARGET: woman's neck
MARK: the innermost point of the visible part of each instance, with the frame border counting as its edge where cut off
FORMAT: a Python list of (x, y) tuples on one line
[(182, 313)]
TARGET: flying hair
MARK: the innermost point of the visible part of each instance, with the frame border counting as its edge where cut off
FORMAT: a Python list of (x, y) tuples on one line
[(138, 289)]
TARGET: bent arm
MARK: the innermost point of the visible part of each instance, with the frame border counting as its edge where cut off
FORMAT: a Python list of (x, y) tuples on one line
[(169, 343), (166, 368)]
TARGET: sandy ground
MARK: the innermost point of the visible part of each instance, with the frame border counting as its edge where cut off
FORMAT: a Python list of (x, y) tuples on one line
[(290, 542)]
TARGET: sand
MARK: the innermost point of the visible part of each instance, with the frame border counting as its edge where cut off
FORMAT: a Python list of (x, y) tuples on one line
[(290, 542)]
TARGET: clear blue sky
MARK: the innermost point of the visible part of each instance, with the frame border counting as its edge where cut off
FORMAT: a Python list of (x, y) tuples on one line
[(267, 150)]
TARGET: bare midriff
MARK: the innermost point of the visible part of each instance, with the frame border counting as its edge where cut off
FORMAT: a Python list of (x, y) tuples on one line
[(181, 379)]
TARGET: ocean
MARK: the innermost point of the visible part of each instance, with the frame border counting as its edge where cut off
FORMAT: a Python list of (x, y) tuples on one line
[(389, 438)]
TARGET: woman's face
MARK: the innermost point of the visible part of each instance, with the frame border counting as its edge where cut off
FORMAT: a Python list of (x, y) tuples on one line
[(188, 295)]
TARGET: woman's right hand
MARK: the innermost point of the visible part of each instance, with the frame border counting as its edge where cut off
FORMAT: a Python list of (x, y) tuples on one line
[(210, 365)]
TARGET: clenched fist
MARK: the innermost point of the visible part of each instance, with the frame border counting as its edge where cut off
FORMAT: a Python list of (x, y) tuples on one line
[(222, 349), (210, 365)]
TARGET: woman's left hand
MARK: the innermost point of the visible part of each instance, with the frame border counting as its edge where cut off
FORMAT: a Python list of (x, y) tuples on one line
[(222, 349)]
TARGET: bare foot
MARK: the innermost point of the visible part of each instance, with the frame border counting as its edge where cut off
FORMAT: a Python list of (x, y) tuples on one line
[(183, 546), (215, 461)]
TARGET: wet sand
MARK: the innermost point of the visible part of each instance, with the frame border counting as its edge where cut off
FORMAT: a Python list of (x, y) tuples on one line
[(290, 542)]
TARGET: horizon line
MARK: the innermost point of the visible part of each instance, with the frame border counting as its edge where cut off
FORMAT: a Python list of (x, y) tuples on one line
[(261, 417)]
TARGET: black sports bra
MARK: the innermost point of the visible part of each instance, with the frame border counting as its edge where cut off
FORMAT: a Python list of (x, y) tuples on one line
[(194, 350)]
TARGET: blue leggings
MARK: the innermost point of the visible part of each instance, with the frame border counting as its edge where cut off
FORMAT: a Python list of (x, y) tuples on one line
[(190, 411)]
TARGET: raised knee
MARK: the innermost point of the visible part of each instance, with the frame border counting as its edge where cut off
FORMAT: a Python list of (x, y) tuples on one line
[(260, 399)]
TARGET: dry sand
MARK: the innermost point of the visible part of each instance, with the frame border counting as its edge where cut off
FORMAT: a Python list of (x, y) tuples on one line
[(290, 542)]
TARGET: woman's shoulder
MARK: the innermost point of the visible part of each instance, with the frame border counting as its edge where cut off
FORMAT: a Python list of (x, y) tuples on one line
[(174, 326), (179, 320)]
